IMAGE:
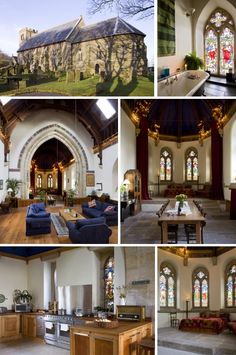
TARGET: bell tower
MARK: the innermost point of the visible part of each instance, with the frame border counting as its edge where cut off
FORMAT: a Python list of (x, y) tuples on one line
[(26, 33)]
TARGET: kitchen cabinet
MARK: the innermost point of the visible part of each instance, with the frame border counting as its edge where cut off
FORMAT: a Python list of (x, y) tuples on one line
[(91, 340), (9, 326), (40, 326), (29, 325)]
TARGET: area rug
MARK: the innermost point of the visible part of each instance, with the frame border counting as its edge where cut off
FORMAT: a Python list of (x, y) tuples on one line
[(59, 224)]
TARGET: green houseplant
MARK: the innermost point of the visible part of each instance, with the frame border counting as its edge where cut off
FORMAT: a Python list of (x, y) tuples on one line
[(21, 296), (13, 184), (42, 195), (70, 197), (193, 62)]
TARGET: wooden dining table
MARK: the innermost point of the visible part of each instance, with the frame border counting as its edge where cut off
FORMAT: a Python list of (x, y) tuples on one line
[(168, 218)]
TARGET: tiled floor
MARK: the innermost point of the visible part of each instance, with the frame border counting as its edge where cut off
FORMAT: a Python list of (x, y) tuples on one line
[(219, 90), (168, 351), (30, 347), (143, 228), (198, 343)]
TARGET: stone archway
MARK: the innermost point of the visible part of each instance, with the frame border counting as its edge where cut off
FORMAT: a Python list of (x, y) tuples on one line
[(66, 137), (97, 68)]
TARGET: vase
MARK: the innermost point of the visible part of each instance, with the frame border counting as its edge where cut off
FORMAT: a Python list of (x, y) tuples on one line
[(122, 301), (180, 206)]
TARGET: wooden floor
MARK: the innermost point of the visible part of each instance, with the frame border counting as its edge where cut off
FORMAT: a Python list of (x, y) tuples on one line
[(12, 229)]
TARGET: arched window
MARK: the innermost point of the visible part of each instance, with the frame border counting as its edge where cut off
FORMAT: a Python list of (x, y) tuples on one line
[(80, 56), (50, 181), (39, 181), (219, 42), (166, 165), (167, 286), (200, 286), (109, 283), (191, 164), (99, 52), (230, 285)]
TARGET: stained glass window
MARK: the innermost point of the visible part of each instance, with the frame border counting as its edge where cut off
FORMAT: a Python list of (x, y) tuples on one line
[(219, 42), (109, 283), (200, 288), (39, 181), (167, 286), (165, 165), (230, 285), (50, 181), (191, 164)]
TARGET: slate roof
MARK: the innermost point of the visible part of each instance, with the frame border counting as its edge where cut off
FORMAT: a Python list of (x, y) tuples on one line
[(107, 28), (53, 35)]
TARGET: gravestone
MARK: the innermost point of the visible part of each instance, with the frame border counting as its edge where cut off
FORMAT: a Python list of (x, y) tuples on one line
[(70, 76)]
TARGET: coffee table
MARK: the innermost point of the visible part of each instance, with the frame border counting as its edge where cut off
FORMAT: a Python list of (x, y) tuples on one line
[(70, 215)]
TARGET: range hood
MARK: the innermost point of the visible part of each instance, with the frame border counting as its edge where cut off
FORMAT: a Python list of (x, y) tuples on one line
[(77, 296)]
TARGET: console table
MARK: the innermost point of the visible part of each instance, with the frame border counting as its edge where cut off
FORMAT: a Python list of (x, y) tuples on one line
[(127, 208)]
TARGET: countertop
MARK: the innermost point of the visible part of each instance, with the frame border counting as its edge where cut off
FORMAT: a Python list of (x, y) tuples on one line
[(123, 327)]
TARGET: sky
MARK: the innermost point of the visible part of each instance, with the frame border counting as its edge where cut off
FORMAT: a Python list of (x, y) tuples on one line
[(43, 14)]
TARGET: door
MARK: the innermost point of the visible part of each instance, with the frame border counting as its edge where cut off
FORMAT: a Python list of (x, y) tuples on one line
[(80, 343), (103, 346), (10, 325), (97, 69)]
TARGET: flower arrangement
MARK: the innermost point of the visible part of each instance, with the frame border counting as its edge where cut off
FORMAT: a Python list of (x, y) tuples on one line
[(122, 291), (181, 197)]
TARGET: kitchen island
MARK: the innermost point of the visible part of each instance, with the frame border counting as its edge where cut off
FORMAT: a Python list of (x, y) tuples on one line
[(90, 339)]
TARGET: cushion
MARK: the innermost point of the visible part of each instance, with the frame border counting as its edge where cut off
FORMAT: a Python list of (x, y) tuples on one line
[(92, 204), (99, 205), (84, 222), (109, 209), (41, 206), (40, 214)]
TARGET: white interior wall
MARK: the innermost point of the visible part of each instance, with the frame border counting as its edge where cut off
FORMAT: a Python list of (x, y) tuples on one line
[(3, 172), (104, 174), (183, 38), (179, 160), (184, 282), (127, 145), (229, 150), (13, 275), (120, 272)]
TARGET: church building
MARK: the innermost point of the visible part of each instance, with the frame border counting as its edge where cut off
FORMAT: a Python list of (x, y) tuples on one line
[(109, 48)]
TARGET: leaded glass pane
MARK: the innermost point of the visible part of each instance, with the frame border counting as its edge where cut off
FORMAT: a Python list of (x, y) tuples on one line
[(109, 283), (166, 270), (204, 293), (211, 52), (162, 168), (200, 274), (171, 292), (233, 269), (196, 293), (168, 169), (189, 169), (218, 19), (195, 169), (229, 291), (162, 291), (226, 51)]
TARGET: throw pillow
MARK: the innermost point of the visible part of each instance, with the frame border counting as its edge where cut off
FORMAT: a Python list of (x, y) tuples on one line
[(92, 204), (110, 209)]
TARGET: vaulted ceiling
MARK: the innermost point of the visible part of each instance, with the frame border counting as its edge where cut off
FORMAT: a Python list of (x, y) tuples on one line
[(84, 110), (178, 118), (197, 252)]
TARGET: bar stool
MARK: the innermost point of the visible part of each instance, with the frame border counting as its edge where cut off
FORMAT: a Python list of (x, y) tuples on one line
[(146, 346)]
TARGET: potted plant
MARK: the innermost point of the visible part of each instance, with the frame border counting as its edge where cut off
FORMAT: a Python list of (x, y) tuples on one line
[(70, 197), (123, 191), (21, 296), (14, 186), (193, 62), (122, 294), (42, 195)]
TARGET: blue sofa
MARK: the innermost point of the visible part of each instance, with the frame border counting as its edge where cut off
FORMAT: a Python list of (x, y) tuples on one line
[(38, 220), (89, 231), (111, 217)]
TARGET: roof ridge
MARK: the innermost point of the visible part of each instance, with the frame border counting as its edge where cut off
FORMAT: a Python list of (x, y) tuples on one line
[(77, 22), (96, 23), (116, 25), (126, 24)]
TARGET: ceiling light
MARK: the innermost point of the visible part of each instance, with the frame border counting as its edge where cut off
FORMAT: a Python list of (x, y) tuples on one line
[(106, 108)]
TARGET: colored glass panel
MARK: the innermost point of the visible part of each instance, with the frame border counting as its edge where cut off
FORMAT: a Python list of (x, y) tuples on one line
[(165, 166), (201, 274), (192, 166), (166, 270), (162, 291), (109, 283), (226, 51), (204, 293), (196, 293), (218, 19), (229, 291), (211, 51), (233, 269), (171, 292)]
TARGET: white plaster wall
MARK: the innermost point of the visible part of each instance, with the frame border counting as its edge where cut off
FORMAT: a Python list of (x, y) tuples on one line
[(229, 150), (204, 159), (184, 282), (127, 145), (183, 34), (104, 174), (13, 275), (35, 279), (3, 172), (38, 120), (202, 15), (69, 181), (120, 272), (78, 267)]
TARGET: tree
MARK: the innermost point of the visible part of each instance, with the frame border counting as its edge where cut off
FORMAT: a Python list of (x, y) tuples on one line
[(4, 59), (128, 8)]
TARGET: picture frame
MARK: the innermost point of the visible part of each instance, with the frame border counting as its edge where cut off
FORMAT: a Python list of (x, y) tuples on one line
[(90, 180)]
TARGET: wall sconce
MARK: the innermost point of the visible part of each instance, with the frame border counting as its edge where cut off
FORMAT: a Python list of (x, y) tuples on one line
[(189, 12)]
